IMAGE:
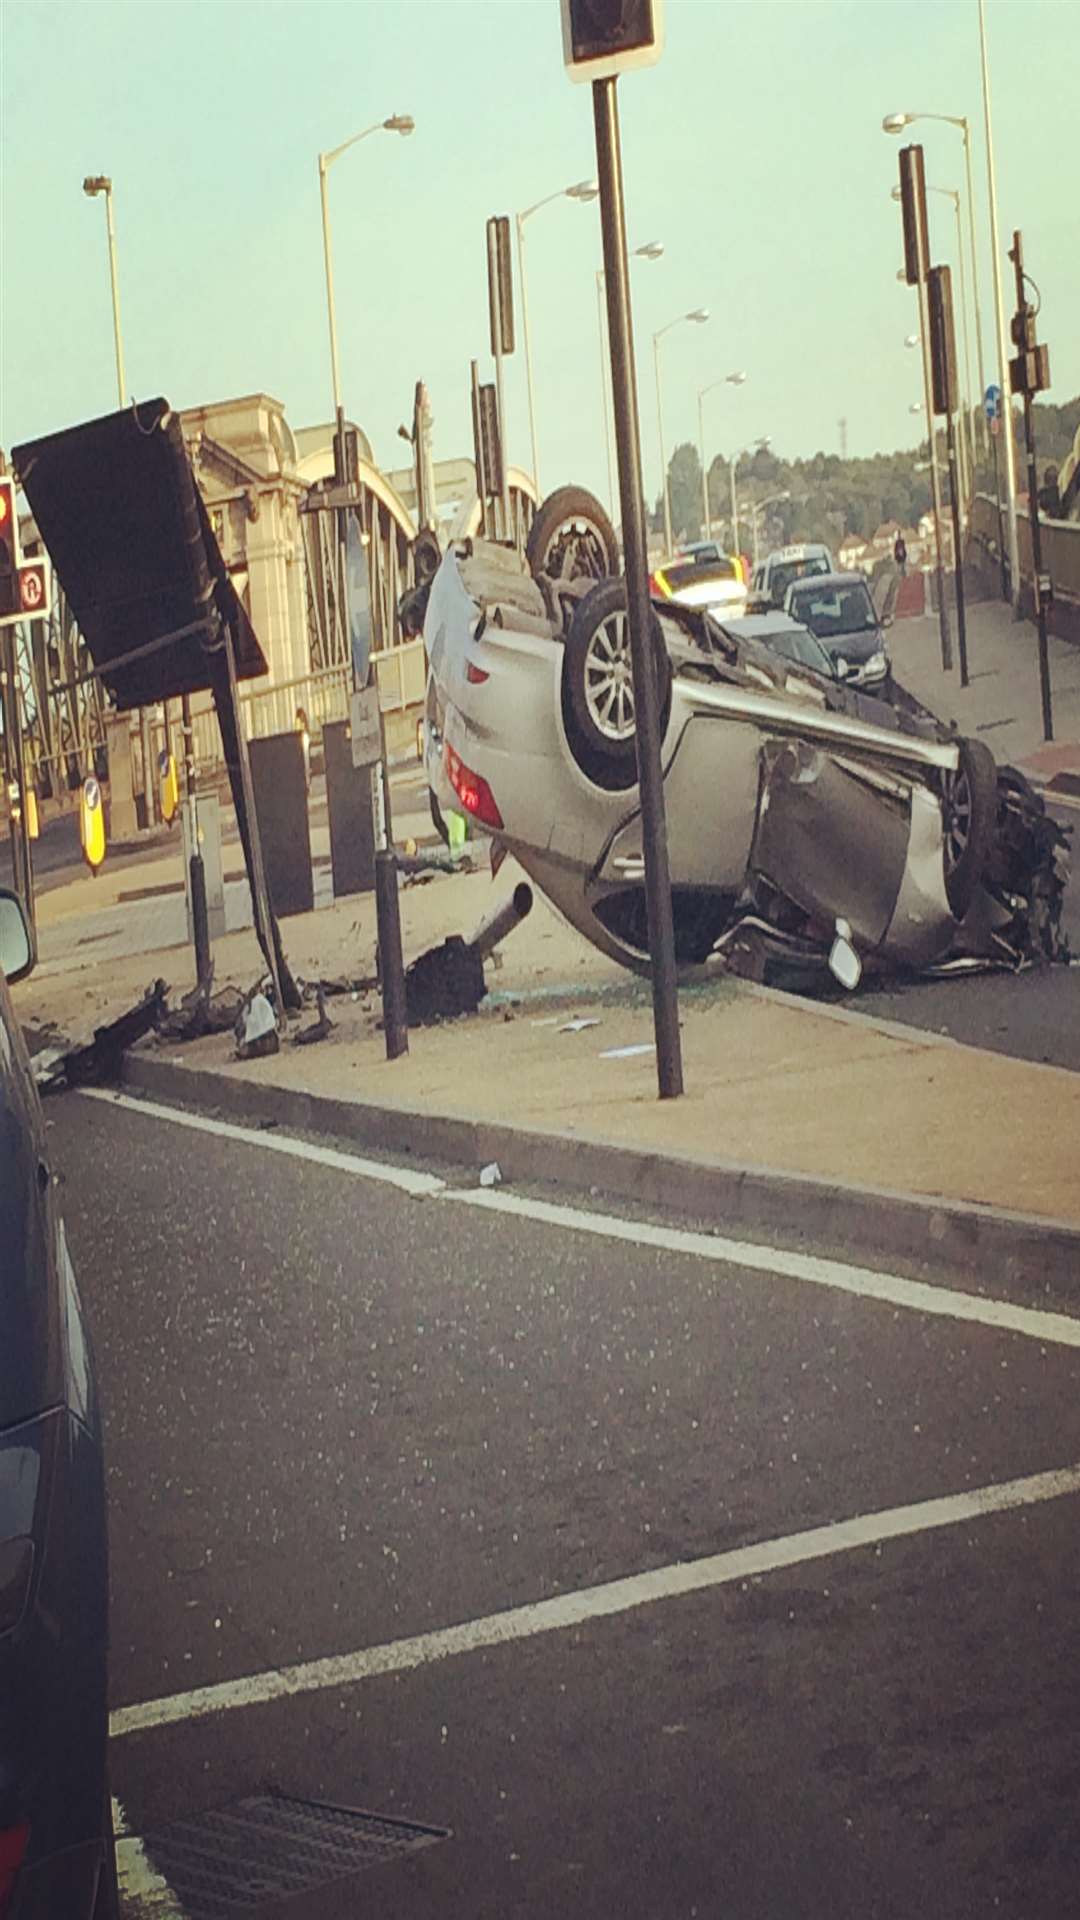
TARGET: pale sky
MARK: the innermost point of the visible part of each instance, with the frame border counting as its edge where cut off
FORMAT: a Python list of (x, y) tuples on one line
[(753, 151)]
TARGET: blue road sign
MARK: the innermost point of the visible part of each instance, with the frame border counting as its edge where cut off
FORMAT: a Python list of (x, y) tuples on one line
[(992, 403)]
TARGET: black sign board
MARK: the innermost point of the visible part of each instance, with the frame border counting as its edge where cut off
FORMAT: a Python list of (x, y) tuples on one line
[(116, 504)]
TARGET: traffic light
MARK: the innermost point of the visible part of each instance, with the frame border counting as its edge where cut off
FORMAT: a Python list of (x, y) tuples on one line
[(500, 285), (9, 550), (942, 340), (602, 38), (913, 208)]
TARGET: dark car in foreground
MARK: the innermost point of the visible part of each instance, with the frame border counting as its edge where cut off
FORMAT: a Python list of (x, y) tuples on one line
[(56, 1851), (840, 612)]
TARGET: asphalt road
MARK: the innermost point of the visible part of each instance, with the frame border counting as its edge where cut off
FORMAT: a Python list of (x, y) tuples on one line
[(339, 1416), (1030, 1016)]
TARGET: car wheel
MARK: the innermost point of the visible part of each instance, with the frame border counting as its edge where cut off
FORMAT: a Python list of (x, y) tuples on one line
[(572, 538), (969, 818), (598, 688)]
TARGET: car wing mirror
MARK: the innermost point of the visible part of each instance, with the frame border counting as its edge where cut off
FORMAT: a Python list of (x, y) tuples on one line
[(841, 667), (16, 939), (844, 962)]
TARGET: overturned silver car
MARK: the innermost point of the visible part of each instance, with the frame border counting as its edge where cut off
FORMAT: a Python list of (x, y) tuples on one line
[(807, 823)]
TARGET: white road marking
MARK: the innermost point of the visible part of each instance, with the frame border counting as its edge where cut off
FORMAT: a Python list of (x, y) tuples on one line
[(420, 1185), (1057, 1329), (1033, 1323), (595, 1603), (144, 1895)]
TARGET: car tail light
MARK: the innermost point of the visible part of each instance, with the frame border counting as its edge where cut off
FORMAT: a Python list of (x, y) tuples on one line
[(13, 1845), (475, 675), (474, 793)]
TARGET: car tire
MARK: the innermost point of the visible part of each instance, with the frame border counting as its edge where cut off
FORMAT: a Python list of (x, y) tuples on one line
[(969, 820), (572, 538), (598, 696)]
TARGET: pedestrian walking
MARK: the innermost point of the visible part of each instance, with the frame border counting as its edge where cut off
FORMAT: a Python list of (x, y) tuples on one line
[(900, 554)]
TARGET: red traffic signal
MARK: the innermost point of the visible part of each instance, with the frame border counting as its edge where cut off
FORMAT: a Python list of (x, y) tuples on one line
[(9, 550)]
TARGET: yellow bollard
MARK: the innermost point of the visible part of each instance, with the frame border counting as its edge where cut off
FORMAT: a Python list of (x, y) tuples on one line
[(169, 787), (92, 824), (32, 826)]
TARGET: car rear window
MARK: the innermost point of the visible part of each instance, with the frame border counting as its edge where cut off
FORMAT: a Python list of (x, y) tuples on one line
[(685, 573)]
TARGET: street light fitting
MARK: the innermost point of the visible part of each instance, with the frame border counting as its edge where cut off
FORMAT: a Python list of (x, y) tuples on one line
[(896, 122), (96, 183), (583, 190), (915, 407), (913, 340), (400, 123), (735, 379), (697, 314), (650, 251)]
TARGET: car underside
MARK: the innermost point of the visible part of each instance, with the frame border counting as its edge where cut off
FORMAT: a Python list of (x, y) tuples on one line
[(808, 825)]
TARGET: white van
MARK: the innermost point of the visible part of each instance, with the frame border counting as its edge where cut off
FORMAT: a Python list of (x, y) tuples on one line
[(785, 564)]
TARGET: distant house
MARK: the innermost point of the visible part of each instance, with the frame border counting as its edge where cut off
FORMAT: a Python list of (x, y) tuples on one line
[(852, 553), (883, 539)]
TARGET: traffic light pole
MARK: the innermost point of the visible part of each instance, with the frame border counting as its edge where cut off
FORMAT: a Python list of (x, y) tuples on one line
[(958, 551), (19, 826), (200, 921), (1040, 582), (639, 609)]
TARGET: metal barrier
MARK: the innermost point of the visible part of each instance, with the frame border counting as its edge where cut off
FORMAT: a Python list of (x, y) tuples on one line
[(1061, 560)]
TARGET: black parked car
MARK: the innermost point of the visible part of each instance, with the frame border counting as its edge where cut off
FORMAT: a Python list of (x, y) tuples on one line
[(839, 611), (57, 1858)]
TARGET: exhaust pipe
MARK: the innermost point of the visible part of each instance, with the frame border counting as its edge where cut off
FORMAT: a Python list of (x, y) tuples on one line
[(502, 921)]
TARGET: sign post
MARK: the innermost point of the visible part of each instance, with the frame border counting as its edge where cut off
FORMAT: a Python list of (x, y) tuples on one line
[(992, 405), (602, 38)]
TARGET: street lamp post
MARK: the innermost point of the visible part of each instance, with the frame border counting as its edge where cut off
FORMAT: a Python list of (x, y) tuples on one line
[(735, 458), (729, 380), (652, 250), (402, 123), (583, 190), (757, 508), (387, 913), (999, 317), (94, 184), (698, 315)]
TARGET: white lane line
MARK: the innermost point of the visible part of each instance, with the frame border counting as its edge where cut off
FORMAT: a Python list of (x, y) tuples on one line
[(144, 1895), (595, 1603), (421, 1185), (1057, 1329)]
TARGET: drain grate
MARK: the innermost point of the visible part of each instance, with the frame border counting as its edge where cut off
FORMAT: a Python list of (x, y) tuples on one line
[(237, 1859)]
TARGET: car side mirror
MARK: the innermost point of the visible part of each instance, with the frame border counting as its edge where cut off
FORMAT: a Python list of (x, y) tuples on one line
[(842, 668), (887, 619), (17, 954), (844, 962)]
